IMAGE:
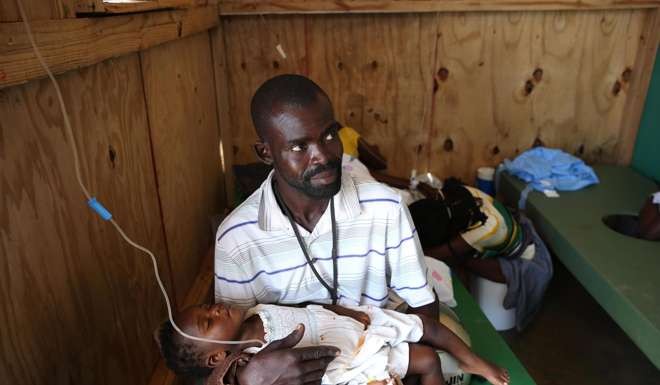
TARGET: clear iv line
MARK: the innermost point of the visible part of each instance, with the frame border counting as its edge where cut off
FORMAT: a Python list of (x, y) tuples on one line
[(96, 205)]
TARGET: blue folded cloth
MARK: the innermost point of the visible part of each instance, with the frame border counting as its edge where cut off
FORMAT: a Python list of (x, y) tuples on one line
[(551, 169)]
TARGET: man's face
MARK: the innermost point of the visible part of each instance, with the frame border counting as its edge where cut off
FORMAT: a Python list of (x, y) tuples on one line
[(306, 149)]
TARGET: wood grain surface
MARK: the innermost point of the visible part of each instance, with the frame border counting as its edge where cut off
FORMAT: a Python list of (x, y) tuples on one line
[(73, 43), (221, 77), (180, 95), (450, 92), (77, 304), (37, 10), (252, 58), (251, 7)]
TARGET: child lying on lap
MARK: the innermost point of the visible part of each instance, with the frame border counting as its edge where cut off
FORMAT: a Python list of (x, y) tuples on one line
[(375, 344)]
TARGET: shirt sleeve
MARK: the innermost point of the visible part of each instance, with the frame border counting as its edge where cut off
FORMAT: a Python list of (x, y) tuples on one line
[(405, 262), (232, 285)]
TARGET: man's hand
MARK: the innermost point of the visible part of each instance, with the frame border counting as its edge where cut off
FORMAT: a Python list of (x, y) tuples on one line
[(279, 364)]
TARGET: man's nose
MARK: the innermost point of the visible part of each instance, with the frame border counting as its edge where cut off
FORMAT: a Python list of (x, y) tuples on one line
[(319, 154)]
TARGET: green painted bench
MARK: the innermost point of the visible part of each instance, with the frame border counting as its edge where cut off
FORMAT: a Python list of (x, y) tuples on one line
[(621, 273), (485, 340)]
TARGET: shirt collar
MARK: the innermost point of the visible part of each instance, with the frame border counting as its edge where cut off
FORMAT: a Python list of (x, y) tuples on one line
[(271, 217)]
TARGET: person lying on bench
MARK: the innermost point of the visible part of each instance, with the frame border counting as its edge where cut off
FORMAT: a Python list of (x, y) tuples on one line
[(649, 218), (375, 344), (467, 229)]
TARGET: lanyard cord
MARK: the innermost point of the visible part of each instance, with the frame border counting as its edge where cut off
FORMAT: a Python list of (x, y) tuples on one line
[(301, 242)]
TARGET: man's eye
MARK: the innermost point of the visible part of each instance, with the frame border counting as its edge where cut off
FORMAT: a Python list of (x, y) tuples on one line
[(296, 148), (329, 137)]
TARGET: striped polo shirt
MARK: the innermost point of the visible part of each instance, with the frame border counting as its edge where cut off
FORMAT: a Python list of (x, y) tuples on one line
[(258, 258)]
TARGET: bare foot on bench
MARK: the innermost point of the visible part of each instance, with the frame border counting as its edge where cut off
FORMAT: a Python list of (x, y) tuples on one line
[(493, 373)]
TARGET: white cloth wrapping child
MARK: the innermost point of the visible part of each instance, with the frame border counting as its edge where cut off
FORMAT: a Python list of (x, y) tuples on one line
[(367, 355)]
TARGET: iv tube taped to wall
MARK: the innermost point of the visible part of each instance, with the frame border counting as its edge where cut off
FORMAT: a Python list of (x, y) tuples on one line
[(95, 205)]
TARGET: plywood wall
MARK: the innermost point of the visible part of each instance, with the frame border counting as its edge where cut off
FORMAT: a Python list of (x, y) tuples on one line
[(180, 93), (76, 301), (37, 9), (77, 304), (450, 92)]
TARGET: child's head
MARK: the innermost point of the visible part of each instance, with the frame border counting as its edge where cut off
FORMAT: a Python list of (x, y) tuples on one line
[(439, 220), (187, 357)]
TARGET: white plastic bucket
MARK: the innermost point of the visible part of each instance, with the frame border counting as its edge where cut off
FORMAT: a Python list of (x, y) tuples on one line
[(490, 297)]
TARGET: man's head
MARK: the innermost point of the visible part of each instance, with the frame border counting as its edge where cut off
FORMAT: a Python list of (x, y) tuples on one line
[(187, 357), (298, 134)]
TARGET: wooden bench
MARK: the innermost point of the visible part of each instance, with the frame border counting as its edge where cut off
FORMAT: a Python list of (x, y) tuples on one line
[(620, 272)]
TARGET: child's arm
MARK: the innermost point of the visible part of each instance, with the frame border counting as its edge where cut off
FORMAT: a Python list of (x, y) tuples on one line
[(346, 312)]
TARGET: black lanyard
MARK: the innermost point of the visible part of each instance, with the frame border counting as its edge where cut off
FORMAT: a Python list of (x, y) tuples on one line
[(301, 242)]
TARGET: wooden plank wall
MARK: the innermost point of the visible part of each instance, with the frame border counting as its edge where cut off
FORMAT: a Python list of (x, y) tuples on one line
[(90, 40), (37, 10), (450, 92), (78, 305), (180, 93)]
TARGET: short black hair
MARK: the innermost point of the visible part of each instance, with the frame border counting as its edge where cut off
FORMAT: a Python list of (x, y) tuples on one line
[(438, 221), (286, 90), (182, 355)]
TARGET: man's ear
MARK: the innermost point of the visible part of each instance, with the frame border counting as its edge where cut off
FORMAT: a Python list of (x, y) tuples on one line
[(263, 152), (216, 358)]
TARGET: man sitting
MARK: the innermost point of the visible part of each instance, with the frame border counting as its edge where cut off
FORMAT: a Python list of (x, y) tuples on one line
[(311, 233)]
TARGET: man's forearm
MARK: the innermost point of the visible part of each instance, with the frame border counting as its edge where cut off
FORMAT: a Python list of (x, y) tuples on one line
[(432, 310)]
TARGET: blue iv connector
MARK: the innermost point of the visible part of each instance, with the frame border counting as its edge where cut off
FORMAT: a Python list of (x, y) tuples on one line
[(100, 210)]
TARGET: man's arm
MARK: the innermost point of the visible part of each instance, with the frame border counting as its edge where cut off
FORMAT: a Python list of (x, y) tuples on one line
[(431, 310)]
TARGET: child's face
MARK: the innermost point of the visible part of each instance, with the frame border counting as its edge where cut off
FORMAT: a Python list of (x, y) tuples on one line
[(218, 322)]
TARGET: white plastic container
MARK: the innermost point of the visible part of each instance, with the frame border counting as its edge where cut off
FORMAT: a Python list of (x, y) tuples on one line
[(490, 297)]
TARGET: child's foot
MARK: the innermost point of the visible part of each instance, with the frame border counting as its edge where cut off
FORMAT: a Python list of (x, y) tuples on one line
[(493, 373)]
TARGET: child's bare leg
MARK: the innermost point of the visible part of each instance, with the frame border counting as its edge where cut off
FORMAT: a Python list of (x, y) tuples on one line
[(424, 361), (440, 337)]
